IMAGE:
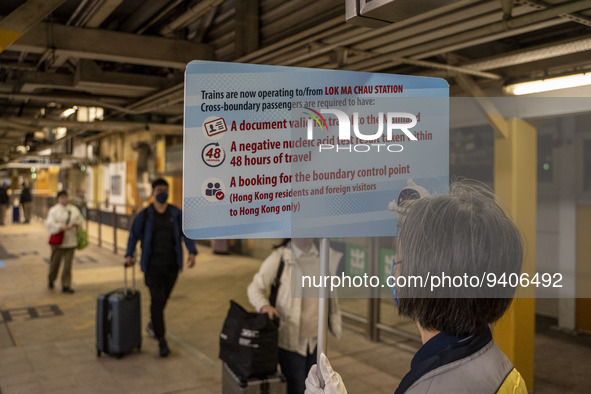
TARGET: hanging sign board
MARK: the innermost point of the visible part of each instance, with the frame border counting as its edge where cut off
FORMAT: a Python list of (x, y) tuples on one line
[(279, 152)]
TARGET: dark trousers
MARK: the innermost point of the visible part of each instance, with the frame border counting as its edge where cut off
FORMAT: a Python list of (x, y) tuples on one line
[(160, 281), (57, 255), (295, 367)]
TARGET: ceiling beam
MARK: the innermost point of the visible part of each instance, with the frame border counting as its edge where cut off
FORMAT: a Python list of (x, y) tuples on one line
[(247, 27), (105, 9), (142, 14), (24, 18), (540, 5), (104, 125), (112, 46), (192, 14)]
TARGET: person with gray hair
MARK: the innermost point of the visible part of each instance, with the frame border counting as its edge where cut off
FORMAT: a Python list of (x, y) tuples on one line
[(464, 233)]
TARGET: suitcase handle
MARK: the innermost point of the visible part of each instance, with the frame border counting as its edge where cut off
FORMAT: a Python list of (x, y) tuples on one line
[(132, 278)]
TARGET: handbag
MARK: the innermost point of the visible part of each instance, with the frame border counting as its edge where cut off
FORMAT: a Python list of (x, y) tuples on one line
[(248, 343), (58, 238), (82, 237)]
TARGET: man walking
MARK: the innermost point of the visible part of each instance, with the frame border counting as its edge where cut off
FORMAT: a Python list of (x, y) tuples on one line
[(63, 218), (159, 229), (26, 201), (3, 203)]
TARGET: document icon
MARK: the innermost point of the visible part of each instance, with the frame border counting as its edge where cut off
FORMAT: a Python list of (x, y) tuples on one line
[(215, 126)]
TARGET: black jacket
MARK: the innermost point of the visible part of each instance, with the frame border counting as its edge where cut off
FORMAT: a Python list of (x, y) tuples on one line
[(3, 195), (26, 195)]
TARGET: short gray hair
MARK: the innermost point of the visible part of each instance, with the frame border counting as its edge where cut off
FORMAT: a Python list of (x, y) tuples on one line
[(465, 232)]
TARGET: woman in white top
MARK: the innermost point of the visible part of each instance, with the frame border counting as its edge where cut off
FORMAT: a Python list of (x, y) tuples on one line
[(296, 306), (63, 217)]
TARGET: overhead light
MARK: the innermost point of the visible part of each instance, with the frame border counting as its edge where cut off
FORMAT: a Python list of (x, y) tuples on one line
[(89, 114), (60, 132), (68, 112), (545, 85)]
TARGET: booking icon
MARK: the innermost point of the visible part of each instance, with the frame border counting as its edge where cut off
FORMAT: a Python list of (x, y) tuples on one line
[(213, 189)]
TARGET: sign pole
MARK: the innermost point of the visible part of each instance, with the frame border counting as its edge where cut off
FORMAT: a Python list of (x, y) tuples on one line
[(323, 299)]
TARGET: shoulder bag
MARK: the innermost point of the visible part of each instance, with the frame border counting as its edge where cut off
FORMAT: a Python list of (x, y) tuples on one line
[(58, 238), (248, 341)]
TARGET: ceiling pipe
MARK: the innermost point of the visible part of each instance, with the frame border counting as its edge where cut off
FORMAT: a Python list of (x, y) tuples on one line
[(76, 12), (163, 95), (501, 27), (485, 34), (318, 32), (192, 14), (158, 17), (142, 14), (488, 38), (301, 45), (314, 10), (89, 12), (85, 101), (530, 55), (411, 23), (313, 34), (412, 31)]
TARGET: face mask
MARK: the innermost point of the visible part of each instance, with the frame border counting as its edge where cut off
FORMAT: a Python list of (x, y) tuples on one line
[(393, 288), (162, 197)]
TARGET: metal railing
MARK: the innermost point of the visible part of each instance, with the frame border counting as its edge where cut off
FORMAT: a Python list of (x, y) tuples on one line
[(105, 213)]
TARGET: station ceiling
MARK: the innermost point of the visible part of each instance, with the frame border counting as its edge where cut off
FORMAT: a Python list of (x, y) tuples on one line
[(128, 56)]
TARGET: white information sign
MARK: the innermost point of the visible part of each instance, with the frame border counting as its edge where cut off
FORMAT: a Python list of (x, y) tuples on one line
[(279, 152)]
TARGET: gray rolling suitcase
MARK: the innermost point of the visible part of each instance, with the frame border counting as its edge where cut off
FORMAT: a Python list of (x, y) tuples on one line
[(232, 384), (118, 320)]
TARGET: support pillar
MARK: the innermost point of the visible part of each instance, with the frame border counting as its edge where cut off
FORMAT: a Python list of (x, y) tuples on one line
[(515, 177)]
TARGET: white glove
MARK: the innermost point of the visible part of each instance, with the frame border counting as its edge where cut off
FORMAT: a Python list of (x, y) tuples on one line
[(333, 384)]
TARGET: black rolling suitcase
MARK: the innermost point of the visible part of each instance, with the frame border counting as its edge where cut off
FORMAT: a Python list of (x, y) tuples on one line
[(118, 320), (232, 384)]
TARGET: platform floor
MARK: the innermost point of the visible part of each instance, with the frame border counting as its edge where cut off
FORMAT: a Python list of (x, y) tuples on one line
[(47, 339)]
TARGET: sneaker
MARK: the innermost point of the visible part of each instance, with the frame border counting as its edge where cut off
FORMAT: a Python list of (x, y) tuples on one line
[(67, 290), (150, 330), (50, 285), (164, 350)]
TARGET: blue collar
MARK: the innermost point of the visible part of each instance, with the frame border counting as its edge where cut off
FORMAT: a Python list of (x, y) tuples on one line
[(433, 346), (440, 350)]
